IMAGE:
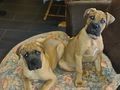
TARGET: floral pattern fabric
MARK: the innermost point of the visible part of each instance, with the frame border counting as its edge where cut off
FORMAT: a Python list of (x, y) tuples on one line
[(11, 74)]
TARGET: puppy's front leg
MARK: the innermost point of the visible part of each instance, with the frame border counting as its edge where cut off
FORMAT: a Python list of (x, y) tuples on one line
[(49, 83), (28, 84), (79, 71), (98, 65)]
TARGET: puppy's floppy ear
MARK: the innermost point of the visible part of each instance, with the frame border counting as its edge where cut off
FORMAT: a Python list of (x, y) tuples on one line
[(41, 46), (18, 51), (109, 18), (87, 11)]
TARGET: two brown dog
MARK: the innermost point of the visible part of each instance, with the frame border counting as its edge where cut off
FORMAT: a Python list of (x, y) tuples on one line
[(40, 58)]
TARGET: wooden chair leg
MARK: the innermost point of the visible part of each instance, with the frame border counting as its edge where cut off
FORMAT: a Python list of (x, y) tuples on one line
[(48, 10)]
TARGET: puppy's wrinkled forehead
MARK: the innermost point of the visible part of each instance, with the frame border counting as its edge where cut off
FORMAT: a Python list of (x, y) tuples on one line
[(30, 47), (96, 14), (99, 15)]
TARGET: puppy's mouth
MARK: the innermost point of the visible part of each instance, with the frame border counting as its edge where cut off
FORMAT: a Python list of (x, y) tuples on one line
[(93, 30), (93, 36)]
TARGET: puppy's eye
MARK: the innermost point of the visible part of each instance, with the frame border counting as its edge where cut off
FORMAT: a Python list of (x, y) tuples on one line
[(26, 55), (102, 21), (92, 17), (37, 52)]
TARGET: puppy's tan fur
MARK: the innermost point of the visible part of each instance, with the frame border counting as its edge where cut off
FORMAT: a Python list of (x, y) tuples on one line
[(51, 48), (82, 48)]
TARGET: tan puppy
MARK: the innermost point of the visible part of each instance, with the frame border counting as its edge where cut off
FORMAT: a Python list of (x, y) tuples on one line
[(39, 58), (87, 46)]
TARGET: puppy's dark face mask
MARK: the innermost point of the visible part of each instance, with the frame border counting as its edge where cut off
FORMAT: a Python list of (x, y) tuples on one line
[(31, 54), (96, 22), (95, 27), (33, 59)]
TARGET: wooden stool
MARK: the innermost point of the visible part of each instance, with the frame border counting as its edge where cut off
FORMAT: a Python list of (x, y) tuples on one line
[(50, 5)]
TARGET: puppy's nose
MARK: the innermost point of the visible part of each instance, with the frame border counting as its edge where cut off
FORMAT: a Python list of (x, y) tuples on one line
[(33, 61), (95, 26)]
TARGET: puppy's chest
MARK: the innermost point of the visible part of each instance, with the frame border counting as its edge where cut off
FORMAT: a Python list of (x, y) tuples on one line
[(92, 51)]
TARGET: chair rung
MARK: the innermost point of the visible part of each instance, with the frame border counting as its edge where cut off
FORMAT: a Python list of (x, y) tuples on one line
[(59, 5), (56, 15), (49, 8)]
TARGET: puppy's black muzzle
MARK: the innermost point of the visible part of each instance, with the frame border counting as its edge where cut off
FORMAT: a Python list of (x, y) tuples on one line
[(34, 64), (33, 61), (94, 29)]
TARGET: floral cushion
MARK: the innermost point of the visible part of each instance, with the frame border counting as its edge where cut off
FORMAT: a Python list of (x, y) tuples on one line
[(11, 74)]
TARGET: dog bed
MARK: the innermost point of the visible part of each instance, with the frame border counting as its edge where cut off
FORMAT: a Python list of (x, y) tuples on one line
[(11, 74)]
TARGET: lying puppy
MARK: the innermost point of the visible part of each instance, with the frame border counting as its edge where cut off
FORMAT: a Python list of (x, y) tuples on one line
[(87, 46), (39, 58)]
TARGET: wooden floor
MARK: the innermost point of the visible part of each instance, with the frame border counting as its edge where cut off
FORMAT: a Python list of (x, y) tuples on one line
[(24, 19)]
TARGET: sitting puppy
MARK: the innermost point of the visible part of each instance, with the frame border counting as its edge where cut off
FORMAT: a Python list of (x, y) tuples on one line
[(39, 58), (87, 46)]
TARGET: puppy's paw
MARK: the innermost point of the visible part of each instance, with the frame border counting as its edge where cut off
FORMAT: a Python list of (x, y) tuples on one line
[(80, 83), (99, 74), (78, 80), (102, 78)]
